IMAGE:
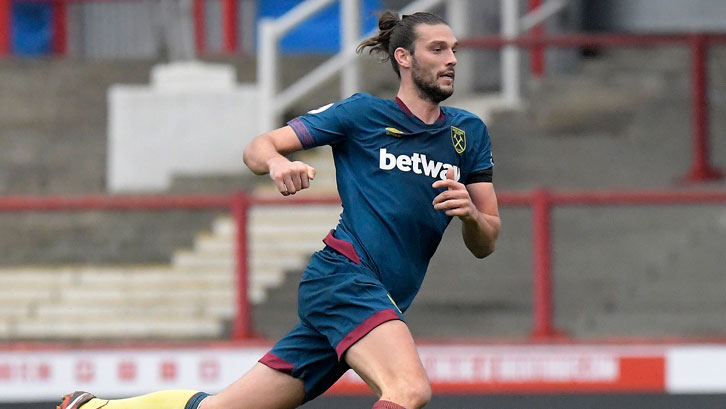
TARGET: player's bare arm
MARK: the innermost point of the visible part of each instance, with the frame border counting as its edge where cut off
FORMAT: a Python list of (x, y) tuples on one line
[(267, 154), (476, 206)]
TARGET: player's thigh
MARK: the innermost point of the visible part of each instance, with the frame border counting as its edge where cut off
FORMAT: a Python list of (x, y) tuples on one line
[(387, 359), (260, 388)]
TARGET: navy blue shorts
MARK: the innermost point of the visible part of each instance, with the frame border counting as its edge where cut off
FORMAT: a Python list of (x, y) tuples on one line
[(339, 301)]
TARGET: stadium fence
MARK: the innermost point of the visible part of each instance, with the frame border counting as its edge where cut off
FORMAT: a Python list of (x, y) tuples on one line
[(542, 202)]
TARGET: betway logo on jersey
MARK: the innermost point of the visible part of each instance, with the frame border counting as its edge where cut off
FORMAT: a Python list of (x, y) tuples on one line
[(417, 163)]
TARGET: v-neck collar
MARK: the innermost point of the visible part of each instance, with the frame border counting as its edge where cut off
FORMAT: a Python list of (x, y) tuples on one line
[(404, 108)]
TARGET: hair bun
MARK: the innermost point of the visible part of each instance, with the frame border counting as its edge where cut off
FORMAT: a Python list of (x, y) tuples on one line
[(388, 20)]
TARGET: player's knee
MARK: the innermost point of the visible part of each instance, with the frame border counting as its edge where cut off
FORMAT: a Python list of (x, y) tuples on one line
[(415, 393), (422, 395), (419, 395)]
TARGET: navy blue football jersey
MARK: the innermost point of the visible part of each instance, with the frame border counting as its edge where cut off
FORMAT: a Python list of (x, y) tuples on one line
[(386, 159)]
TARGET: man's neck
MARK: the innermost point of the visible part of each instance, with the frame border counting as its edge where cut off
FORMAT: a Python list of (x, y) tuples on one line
[(426, 111)]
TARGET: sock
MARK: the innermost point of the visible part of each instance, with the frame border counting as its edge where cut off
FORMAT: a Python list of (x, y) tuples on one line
[(384, 404), (195, 400), (177, 399)]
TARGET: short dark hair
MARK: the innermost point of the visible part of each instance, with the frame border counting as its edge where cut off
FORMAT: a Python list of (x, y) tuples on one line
[(397, 32)]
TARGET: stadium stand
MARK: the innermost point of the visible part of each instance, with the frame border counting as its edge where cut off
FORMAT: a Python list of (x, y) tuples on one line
[(618, 124), (638, 287)]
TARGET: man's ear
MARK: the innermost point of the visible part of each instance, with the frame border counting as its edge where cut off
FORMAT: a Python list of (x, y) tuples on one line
[(403, 57)]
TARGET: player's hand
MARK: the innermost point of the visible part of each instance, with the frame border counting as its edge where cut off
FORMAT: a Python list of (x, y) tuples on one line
[(290, 177), (455, 200)]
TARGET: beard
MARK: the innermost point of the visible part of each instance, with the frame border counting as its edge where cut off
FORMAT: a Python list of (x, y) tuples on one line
[(428, 88)]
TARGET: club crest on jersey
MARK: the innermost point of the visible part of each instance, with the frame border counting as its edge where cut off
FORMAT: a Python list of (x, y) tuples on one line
[(458, 138)]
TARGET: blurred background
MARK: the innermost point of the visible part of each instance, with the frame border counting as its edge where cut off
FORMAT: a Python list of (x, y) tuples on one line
[(137, 253)]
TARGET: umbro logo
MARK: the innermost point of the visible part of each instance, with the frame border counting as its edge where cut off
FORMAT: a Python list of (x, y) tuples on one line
[(390, 131)]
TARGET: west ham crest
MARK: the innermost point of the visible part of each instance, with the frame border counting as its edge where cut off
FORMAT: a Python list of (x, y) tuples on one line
[(458, 138)]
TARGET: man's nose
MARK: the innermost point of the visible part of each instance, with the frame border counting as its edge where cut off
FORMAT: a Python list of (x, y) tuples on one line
[(452, 58)]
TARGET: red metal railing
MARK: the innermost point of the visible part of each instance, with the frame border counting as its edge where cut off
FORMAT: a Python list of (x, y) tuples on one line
[(540, 201), (5, 27), (200, 38), (537, 53), (229, 22), (701, 168)]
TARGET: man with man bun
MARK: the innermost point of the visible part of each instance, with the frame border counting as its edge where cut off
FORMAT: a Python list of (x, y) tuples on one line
[(404, 168)]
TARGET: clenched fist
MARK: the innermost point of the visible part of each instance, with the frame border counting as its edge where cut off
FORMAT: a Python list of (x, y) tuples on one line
[(290, 177)]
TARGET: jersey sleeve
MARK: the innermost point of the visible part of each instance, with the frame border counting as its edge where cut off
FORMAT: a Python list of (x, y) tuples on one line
[(322, 126), (482, 163)]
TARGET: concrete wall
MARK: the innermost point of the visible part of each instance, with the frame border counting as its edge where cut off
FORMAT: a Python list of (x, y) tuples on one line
[(192, 119), (656, 15)]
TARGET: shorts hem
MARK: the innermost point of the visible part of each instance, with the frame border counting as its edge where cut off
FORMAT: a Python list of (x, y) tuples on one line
[(363, 329), (275, 362)]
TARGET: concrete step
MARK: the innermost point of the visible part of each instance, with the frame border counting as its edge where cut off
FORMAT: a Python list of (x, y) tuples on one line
[(191, 259), (26, 296), (281, 263), (225, 229), (30, 276), (209, 242), (41, 282), (32, 287), (295, 223), (153, 295), (14, 310), (296, 214), (96, 309), (169, 286), (302, 249), (302, 232), (150, 326), (267, 260), (218, 298), (154, 276), (83, 310), (221, 247)]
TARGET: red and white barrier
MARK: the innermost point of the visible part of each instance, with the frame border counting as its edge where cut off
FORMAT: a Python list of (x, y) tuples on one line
[(38, 374)]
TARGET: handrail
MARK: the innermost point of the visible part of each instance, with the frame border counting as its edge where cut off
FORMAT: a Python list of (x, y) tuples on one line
[(274, 102), (270, 31), (298, 14), (540, 14)]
